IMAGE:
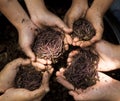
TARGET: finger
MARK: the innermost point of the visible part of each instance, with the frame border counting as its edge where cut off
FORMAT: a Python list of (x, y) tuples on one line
[(85, 43), (75, 95), (60, 72), (46, 77), (68, 39), (49, 62), (78, 43), (75, 40), (70, 22), (73, 53), (65, 83), (66, 46), (98, 35), (17, 62), (69, 60), (42, 61), (38, 66)]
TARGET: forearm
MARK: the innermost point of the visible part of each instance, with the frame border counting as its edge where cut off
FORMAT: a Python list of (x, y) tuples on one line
[(116, 89), (101, 6), (35, 5), (14, 12), (119, 54), (78, 1)]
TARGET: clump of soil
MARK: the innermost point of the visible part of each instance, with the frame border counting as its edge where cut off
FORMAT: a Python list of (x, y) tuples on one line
[(27, 77), (82, 71), (49, 44), (83, 29)]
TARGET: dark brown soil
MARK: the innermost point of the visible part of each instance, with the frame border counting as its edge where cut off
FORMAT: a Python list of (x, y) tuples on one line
[(49, 44), (83, 30), (28, 78), (82, 72)]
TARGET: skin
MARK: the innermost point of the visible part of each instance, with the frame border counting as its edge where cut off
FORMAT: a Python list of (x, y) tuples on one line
[(109, 57), (19, 94), (104, 88), (77, 10), (14, 12), (27, 30), (94, 14), (40, 15)]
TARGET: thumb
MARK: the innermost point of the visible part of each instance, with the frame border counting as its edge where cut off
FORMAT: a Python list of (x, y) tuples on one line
[(74, 95), (69, 22), (29, 53), (63, 26)]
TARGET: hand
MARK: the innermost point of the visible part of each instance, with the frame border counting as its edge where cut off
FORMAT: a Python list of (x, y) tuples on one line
[(26, 38), (19, 94), (96, 20), (102, 90), (77, 10), (41, 16), (109, 57), (41, 20), (9, 72)]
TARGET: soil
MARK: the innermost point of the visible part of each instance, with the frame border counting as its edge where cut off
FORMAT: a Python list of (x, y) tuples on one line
[(49, 44), (28, 78), (83, 29), (82, 72)]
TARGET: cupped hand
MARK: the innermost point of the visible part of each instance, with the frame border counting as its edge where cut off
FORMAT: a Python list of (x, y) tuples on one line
[(108, 53), (21, 94), (77, 10), (100, 91), (26, 38), (109, 56), (9, 72), (47, 18), (97, 21)]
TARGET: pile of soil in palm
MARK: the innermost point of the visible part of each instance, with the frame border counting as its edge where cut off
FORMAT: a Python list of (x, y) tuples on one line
[(28, 78), (83, 29), (49, 44), (82, 71)]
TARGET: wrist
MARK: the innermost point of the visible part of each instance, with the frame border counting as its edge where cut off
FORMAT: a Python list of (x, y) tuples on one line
[(23, 24), (26, 26), (96, 11), (101, 6)]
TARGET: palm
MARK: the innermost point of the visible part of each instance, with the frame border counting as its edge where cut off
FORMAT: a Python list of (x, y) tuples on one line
[(108, 55)]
